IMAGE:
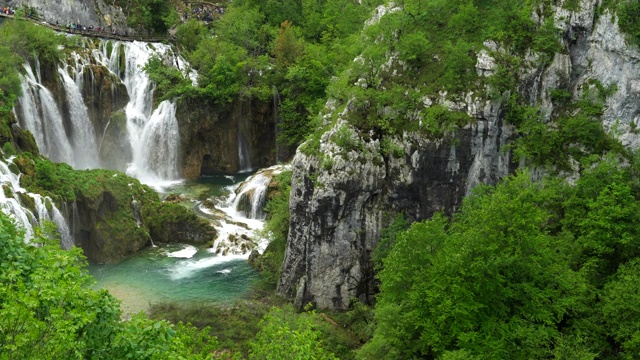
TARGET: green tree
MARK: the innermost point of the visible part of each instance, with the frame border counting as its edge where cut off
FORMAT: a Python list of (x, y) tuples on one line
[(282, 339), (621, 300), (492, 282), (48, 309)]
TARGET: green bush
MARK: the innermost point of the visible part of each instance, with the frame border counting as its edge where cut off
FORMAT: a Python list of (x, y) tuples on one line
[(629, 21)]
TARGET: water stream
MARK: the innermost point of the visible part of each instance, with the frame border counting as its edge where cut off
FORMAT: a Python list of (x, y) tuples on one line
[(185, 273)]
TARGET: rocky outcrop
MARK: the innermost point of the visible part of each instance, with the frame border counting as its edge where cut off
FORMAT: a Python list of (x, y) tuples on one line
[(341, 199), (103, 93), (94, 12), (173, 223), (225, 138), (116, 216), (338, 210)]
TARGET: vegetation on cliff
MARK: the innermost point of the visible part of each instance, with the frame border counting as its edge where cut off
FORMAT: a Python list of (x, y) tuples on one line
[(524, 270)]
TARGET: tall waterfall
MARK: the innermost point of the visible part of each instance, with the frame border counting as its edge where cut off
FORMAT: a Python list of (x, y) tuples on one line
[(83, 135), (65, 133), (41, 116)]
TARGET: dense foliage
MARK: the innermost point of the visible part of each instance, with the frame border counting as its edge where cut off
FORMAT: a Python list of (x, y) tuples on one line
[(48, 309), (276, 229), (524, 270)]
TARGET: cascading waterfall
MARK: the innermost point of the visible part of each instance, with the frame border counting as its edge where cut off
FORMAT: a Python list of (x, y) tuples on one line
[(70, 137), (240, 214), (40, 115), (83, 136), (154, 134), (46, 210), (251, 196), (155, 156)]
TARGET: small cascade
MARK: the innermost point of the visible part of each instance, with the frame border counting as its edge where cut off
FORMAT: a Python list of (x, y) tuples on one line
[(48, 212), (238, 216), (11, 205), (244, 161), (251, 196)]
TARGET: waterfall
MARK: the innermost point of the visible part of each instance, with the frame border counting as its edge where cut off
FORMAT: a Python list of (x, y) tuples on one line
[(153, 134), (276, 121), (46, 210), (69, 136), (155, 155), (251, 196), (83, 136), (41, 116), (240, 214), (244, 161)]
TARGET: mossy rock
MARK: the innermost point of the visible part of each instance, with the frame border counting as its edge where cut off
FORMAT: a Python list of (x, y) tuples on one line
[(173, 223), (115, 238), (27, 202), (26, 165)]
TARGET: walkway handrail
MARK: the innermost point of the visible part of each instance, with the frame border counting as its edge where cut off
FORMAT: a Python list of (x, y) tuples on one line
[(89, 33)]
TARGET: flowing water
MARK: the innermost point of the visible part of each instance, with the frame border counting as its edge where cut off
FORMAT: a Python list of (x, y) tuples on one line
[(64, 133), (184, 273), (174, 273)]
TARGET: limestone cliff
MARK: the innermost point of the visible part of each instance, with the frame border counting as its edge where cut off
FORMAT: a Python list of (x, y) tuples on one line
[(95, 12), (341, 198)]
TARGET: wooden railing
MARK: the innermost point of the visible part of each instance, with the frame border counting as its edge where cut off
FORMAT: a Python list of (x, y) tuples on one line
[(106, 34)]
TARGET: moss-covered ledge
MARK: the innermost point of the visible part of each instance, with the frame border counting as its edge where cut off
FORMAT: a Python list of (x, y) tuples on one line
[(100, 214)]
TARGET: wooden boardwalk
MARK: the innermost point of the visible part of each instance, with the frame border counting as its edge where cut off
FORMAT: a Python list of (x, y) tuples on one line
[(89, 33)]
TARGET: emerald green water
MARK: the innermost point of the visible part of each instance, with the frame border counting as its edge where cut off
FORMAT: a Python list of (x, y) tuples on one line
[(177, 272)]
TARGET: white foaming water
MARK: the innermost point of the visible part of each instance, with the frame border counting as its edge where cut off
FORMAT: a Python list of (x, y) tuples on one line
[(187, 252), (41, 116), (188, 268), (24, 218), (83, 135)]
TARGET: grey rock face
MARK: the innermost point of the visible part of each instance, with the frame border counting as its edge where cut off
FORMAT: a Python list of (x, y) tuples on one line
[(338, 210), (340, 200), (84, 12)]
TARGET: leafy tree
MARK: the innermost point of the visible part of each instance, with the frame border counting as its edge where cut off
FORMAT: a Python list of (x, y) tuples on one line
[(48, 309), (286, 47), (621, 297), (156, 16), (492, 282), (276, 228), (190, 34), (628, 20), (280, 339)]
